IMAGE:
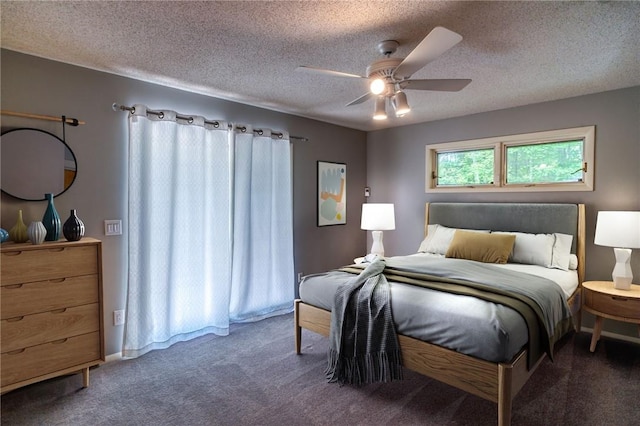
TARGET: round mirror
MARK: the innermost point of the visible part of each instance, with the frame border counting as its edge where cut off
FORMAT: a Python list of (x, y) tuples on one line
[(34, 163)]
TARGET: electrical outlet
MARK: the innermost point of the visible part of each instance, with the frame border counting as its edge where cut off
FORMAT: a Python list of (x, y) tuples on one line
[(118, 317), (299, 276), (112, 227)]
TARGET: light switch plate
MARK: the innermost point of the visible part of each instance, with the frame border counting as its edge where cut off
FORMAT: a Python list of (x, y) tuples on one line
[(112, 227)]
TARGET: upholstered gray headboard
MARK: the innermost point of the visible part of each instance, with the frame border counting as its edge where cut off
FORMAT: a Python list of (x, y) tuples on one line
[(534, 218)]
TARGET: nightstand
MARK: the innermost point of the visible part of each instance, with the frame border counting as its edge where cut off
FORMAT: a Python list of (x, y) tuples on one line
[(604, 301)]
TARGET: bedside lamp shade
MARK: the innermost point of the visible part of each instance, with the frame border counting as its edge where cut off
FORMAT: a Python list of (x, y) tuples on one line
[(377, 217), (621, 230)]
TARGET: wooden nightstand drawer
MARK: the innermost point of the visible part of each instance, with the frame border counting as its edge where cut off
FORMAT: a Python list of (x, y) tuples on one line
[(50, 357), (42, 296), (58, 261), (32, 330), (621, 306)]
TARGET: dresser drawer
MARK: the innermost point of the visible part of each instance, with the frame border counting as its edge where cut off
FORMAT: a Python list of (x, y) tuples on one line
[(42, 296), (621, 306), (22, 266), (32, 330), (50, 357)]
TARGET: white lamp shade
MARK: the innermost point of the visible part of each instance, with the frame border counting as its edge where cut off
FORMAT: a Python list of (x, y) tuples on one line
[(378, 217), (618, 229)]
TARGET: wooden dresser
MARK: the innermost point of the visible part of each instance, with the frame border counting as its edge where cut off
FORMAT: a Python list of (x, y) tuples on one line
[(51, 311)]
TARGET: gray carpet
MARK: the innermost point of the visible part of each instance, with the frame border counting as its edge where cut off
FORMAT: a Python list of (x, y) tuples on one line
[(253, 377)]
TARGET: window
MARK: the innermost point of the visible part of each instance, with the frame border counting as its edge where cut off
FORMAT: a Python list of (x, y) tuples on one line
[(468, 167), (557, 160)]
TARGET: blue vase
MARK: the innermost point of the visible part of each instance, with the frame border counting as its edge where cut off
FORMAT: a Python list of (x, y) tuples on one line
[(51, 220), (73, 228), (4, 235)]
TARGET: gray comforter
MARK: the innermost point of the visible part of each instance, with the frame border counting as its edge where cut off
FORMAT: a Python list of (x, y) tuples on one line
[(475, 326)]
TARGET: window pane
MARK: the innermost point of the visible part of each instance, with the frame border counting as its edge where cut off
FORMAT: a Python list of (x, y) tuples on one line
[(552, 162), (473, 167)]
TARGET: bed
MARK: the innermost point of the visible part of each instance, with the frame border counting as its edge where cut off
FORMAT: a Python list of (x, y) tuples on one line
[(497, 376)]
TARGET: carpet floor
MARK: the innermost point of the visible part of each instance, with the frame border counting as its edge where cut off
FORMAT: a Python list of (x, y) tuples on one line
[(253, 377)]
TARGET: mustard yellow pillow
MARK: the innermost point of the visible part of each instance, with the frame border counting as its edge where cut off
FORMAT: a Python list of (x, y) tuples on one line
[(488, 248)]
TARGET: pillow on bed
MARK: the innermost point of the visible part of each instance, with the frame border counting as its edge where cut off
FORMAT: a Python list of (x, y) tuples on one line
[(573, 262), (562, 252), (532, 249), (548, 250), (481, 247), (439, 238)]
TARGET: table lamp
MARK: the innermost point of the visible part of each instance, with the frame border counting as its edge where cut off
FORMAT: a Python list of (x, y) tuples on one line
[(377, 217), (620, 230)]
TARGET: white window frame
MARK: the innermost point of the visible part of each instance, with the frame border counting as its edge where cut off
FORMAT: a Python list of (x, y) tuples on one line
[(499, 145)]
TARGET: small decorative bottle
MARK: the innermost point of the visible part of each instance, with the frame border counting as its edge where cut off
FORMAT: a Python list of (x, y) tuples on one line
[(18, 233), (36, 232), (51, 220), (73, 228)]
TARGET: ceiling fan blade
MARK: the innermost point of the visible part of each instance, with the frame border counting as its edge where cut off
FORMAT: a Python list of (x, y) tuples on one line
[(361, 99), (446, 85), (327, 72), (438, 41)]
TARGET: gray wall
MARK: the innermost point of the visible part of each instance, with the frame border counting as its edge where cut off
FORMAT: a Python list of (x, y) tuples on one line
[(40, 86), (394, 161), (396, 168)]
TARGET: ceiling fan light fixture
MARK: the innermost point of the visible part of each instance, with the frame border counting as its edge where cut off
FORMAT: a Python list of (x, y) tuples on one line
[(400, 103), (377, 86), (380, 112)]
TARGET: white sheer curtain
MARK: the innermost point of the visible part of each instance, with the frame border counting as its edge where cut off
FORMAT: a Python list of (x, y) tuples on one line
[(184, 277), (263, 227)]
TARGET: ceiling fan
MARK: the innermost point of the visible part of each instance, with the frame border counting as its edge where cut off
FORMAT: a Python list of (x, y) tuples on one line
[(389, 77)]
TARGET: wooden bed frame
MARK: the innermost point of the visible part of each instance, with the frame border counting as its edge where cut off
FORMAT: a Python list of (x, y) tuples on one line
[(496, 382)]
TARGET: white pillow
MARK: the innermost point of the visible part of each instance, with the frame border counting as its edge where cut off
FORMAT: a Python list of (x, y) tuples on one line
[(532, 249), (573, 262), (562, 251), (439, 238)]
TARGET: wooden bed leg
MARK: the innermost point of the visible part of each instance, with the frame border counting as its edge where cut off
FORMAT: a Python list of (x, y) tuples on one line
[(504, 395), (298, 329), (578, 315)]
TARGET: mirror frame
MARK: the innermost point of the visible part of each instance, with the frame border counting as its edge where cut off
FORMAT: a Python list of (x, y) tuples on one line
[(75, 160)]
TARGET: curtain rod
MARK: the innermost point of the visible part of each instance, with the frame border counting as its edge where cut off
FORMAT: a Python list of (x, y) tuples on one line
[(67, 120), (189, 119)]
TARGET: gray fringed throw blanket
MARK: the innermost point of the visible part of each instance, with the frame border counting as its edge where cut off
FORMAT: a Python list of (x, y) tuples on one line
[(363, 344)]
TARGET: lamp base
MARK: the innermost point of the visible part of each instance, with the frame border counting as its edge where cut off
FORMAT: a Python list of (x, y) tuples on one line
[(377, 247), (622, 275)]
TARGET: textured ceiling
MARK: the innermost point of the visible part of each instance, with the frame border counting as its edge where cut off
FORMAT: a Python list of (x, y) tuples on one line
[(516, 53)]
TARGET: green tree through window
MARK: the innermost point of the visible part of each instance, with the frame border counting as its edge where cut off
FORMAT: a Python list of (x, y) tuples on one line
[(545, 162), (474, 167)]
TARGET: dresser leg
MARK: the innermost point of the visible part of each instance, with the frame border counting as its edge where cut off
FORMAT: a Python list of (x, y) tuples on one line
[(85, 377), (597, 329)]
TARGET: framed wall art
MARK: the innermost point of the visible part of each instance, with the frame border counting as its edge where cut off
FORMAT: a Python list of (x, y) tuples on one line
[(332, 193)]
